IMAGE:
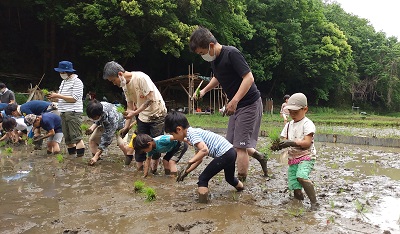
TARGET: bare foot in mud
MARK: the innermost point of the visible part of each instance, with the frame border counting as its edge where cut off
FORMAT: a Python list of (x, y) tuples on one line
[(93, 160), (239, 187)]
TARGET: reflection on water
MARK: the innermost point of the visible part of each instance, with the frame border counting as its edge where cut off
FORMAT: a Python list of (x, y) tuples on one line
[(18, 175), (387, 214)]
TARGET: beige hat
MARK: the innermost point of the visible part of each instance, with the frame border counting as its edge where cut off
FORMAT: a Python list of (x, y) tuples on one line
[(30, 119), (296, 102)]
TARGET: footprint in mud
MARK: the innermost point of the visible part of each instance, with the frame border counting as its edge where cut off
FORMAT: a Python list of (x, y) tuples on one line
[(200, 226), (187, 206)]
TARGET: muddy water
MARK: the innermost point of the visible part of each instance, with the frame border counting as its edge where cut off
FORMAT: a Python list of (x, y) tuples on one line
[(357, 186)]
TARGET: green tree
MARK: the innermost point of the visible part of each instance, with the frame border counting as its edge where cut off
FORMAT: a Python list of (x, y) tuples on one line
[(315, 54)]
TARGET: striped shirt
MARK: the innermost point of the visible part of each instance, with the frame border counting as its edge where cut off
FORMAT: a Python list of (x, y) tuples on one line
[(72, 87), (217, 144)]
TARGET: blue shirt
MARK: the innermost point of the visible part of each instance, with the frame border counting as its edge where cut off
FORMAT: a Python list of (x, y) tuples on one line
[(36, 107), (51, 121), (164, 144), (217, 144), (3, 105)]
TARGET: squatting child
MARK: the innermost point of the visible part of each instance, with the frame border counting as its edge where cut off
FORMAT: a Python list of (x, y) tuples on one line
[(207, 143), (162, 144), (298, 137), (52, 124), (15, 129), (107, 122)]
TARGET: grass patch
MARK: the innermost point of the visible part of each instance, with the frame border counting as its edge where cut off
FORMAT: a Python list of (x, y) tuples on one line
[(324, 118)]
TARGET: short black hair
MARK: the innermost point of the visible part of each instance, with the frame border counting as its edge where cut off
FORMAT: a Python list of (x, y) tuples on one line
[(287, 96), (9, 124), (94, 108), (175, 119), (2, 86), (201, 38), (10, 108), (141, 142)]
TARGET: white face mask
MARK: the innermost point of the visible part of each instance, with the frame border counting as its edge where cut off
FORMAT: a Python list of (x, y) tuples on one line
[(64, 76), (122, 82), (208, 57)]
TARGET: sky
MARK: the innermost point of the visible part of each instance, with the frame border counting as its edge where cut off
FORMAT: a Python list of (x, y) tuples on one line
[(384, 15)]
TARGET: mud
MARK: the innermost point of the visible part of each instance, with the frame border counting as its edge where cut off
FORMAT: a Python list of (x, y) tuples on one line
[(357, 187)]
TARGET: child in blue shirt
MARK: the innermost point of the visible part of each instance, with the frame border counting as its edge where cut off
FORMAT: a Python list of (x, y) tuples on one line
[(207, 143), (162, 144), (52, 124)]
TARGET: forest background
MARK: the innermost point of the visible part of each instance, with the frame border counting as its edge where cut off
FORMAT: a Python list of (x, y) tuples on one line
[(309, 46)]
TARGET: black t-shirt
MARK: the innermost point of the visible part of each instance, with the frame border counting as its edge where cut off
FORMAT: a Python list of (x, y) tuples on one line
[(229, 68)]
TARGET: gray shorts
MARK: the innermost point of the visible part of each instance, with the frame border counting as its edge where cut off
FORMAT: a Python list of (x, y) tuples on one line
[(57, 137), (244, 126)]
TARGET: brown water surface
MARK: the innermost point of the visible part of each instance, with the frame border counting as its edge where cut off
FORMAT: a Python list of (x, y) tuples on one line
[(357, 187)]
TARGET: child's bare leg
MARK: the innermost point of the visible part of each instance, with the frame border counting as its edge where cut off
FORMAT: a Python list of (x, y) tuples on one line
[(172, 167), (146, 167), (167, 168), (139, 166), (203, 194), (310, 191), (93, 147), (94, 159), (129, 152), (154, 165), (239, 186), (49, 148), (298, 194), (56, 147)]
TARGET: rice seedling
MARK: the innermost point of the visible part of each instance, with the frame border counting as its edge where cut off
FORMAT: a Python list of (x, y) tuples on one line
[(295, 212), (84, 127), (45, 92), (9, 150), (138, 186), (60, 158), (120, 108), (150, 194)]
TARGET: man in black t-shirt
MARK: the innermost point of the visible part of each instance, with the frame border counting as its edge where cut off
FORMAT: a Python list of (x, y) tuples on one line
[(244, 107)]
